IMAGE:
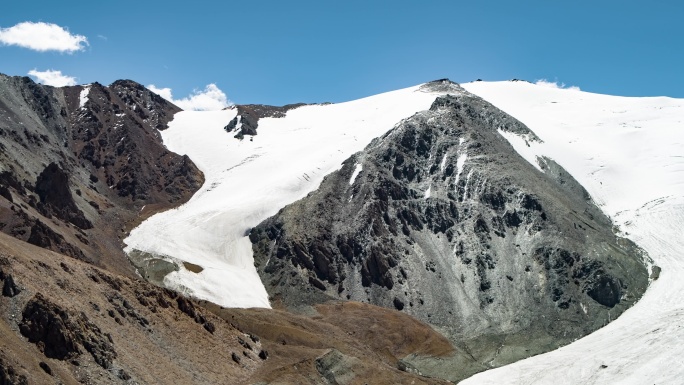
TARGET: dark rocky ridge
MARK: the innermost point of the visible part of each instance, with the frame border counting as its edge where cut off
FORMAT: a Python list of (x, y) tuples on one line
[(73, 178), (448, 223), (247, 119), (61, 335)]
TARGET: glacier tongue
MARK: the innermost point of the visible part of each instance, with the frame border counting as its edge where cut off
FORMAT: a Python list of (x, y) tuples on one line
[(627, 152), (248, 181)]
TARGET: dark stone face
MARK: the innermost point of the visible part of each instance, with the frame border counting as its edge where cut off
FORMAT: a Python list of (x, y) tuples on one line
[(45, 324), (9, 287), (60, 334), (53, 187), (605, 291), (55, 196)]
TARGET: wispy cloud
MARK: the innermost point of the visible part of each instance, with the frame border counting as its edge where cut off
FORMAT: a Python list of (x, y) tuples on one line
[(555, 84), (42, 37), (209, 99), (53, 78)]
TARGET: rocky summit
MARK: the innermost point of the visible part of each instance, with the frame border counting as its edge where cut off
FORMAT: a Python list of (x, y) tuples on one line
[(442, 219), (246, 121)]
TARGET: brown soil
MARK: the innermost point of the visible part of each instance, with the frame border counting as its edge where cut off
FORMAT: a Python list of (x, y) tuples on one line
[(372, 339), (157, 336)]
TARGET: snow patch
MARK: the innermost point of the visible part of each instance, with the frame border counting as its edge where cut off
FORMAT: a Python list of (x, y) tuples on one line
[(83, 96), (238, 126), (443, 164), (357, 169), (467, 183), (529, 150), (460, 163)]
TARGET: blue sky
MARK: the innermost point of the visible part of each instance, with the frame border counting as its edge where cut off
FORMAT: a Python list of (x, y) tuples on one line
[(279, 52)]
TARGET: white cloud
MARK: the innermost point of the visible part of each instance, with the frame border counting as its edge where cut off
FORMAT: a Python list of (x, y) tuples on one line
[(42, 37), (53, 78), (209, 99), (555, 84), (163, 92)]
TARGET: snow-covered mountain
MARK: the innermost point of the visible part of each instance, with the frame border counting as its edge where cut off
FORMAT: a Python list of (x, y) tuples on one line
[(247, 181), (626, 152), (81, 164), (448, 223)]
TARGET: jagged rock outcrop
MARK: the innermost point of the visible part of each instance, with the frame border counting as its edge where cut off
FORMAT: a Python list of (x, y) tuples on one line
[(60, 335), (442, 219), (336, 368), (53, 190), (9, 375), (247, 119), (78, 165), (9, 287), (148, 106)]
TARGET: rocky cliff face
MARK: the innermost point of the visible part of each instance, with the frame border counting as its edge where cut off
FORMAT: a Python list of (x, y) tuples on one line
[(80, 164), (442, 219)]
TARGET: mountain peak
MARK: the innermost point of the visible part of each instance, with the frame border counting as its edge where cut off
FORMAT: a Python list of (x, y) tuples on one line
[(127, 83)]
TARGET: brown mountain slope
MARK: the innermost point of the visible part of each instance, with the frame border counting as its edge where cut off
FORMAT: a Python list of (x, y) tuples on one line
[(89, 326), (62, 320), (81, 165)]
